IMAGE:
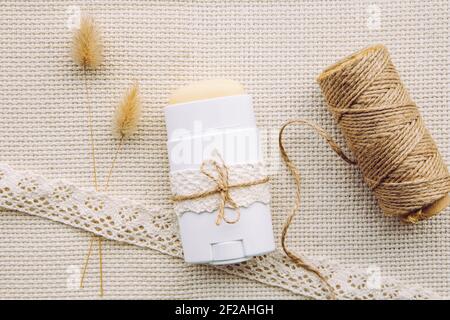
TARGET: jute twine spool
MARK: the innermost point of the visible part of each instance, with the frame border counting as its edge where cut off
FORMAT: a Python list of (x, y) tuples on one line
[(386, 134)]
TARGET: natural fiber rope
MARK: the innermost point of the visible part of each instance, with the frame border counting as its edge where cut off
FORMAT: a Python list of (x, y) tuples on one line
[(384, 130), (297, 178), (222, 188)]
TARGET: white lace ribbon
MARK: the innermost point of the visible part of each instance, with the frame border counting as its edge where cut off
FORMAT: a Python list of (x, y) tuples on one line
[(194, 181), (127, 221)]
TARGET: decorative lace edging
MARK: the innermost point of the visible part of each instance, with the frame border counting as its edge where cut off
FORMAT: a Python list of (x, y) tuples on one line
[(127, 221), (194, 181)]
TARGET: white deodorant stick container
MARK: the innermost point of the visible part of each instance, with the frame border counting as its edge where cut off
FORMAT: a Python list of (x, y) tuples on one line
[(211, 127)]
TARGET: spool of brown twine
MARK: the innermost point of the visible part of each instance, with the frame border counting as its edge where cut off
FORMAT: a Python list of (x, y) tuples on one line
[(385, 132)]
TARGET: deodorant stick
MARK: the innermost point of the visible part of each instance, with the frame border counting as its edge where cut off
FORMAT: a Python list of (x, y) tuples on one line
[(217, 173)]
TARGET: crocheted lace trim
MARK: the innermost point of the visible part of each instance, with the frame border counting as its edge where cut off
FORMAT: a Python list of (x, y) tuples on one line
[(193, 181), (131, 222)]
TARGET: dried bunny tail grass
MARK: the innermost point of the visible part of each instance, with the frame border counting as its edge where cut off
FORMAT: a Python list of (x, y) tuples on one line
[(125, 122), (128, 113), (87, 52), (87, 48)]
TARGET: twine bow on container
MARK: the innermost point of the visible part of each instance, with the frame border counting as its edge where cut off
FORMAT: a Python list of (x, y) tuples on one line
[(218, 172)]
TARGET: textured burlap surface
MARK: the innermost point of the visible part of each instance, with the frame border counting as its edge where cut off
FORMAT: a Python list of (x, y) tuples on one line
[(276, 49)]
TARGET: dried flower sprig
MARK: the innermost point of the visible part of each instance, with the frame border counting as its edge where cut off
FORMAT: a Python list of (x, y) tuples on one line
[(128, 113), (87, 52), (87, 47), (125, 121)]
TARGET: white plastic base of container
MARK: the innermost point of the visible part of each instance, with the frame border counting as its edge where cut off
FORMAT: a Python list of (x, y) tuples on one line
[(227, 243)]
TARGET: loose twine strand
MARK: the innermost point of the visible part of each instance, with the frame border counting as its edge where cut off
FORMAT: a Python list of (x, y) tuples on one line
[(297, 179), (220, 176)]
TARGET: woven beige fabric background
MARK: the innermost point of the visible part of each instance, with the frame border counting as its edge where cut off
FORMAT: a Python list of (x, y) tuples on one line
[(276, 49)]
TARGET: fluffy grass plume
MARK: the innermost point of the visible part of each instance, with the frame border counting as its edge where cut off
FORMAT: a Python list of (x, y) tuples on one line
[(128, 113), (87, 52), (87, 48)]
